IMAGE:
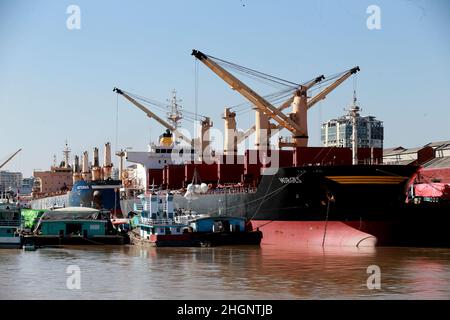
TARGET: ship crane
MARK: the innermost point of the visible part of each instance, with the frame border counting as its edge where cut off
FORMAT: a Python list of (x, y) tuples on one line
[(262, 105), (303, 104), (283, 106), (10, 158), (151, 114), (296, 122), (323, 94)]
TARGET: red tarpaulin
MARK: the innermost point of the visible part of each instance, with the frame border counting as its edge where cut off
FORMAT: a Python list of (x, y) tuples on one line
[(435, 190)]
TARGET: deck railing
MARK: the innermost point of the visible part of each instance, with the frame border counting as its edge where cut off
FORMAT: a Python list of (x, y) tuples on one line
[(155, 222)]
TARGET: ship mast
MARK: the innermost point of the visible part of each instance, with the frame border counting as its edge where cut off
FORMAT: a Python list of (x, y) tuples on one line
[(174, 115), (66, 153), (354, 115)]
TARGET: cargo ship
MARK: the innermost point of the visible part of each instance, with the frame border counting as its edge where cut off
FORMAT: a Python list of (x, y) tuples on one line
[(304, 196), (91, 186), (316, 196)]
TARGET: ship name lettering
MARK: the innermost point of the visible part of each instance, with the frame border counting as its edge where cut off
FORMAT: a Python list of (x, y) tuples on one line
[(287, 180)]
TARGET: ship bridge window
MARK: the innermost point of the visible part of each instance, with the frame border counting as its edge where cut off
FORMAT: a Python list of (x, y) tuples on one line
[(158, 150)]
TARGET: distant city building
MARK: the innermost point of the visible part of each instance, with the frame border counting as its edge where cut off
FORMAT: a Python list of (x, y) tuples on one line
[(10, 181), (27, 186), (338, 132)]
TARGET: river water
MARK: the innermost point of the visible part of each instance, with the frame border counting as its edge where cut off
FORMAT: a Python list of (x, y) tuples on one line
[(132, 272)]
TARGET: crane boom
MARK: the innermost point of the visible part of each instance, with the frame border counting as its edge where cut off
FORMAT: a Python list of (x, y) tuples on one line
[(306, 87), (323, 94), (283, 106), (261, 103), (150, 114), (10, 158)]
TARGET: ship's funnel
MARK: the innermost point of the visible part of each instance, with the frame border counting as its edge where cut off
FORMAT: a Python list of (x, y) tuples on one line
[(76, 165), (77, 176), (76, 170), (86, 173), (107, 155), (205, 139), (96, 162), (262, 132), (230, 143), (96, 173), (107, 165), (96, 170), (300, 117)]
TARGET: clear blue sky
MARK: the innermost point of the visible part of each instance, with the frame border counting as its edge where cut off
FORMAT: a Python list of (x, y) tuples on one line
[(56, 84)]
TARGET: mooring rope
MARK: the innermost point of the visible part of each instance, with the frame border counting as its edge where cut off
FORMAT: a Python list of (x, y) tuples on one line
[(326, 223)]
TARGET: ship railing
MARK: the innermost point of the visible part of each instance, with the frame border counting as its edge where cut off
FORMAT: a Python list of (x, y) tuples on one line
[(232, 190), (153, 222)]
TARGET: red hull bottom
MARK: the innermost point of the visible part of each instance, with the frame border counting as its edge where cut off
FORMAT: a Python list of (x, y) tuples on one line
[(294, 234)]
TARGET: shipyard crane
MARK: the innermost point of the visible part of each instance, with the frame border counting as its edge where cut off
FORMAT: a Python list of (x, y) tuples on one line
[(10, 158), (151, 114)]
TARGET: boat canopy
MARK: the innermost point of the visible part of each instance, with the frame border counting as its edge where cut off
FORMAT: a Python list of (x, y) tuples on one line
[(75, 213)]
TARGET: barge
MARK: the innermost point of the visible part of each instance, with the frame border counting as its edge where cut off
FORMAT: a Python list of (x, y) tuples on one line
[(75, 226)]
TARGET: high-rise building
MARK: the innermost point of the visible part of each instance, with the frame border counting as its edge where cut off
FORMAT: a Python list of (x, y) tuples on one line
[(27, 185), (10, 181), (338, 132)]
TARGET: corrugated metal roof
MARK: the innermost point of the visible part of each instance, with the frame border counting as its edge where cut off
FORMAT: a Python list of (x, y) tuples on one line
[(439, 144), (442, 162), (393, 151), (403, 162)]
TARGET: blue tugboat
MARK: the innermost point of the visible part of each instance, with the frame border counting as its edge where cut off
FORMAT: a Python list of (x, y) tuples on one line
[(158, 225)]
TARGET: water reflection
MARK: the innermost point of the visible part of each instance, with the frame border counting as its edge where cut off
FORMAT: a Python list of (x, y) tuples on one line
[(132, 272)]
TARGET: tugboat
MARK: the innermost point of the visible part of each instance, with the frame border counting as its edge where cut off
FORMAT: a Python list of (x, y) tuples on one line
[(10, 224), (157, 225)]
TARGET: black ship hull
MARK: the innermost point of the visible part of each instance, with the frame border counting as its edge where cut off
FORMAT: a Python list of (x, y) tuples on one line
[(361, 205)]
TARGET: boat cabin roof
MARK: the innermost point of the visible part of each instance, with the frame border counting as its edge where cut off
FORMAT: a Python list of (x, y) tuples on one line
[(220, 218), (75, 213)]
